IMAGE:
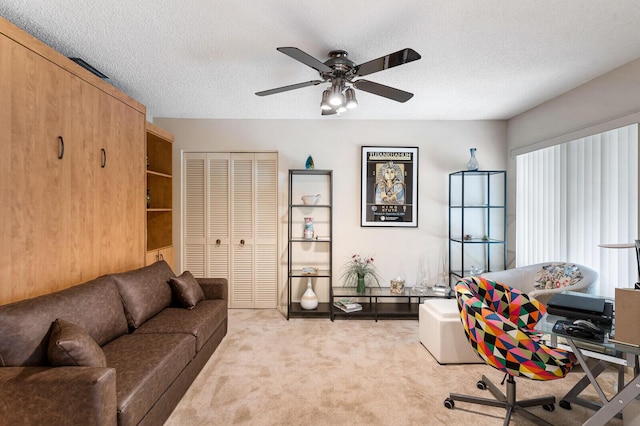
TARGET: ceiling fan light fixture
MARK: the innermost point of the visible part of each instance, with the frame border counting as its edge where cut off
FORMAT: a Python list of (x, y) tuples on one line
[(351, 101), (336, 98), (339, 72), (324, 105)]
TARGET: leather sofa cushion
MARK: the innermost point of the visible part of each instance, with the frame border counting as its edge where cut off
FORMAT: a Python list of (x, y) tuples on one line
[(200, 322), (144, 291), (94, 306), (146, 365), (70, 345), (187, 290)]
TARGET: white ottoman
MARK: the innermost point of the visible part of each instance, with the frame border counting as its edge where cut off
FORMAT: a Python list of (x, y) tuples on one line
[(442, 334)]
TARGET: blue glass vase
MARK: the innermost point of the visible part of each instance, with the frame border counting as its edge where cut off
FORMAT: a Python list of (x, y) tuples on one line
[(309, 164)]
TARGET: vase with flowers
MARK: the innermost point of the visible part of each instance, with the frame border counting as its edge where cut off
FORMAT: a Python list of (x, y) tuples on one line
[(358, 271)]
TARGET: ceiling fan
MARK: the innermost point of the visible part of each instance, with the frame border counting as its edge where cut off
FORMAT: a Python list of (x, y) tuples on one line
[(341, 72)]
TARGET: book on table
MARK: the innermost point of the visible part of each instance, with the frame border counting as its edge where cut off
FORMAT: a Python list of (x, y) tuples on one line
[(347, 305)]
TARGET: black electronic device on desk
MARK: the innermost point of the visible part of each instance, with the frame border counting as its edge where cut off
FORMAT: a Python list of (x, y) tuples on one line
[(581, 329), (597, 310)]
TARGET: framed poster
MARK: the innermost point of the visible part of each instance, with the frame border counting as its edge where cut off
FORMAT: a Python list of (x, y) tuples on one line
[(389, 193)]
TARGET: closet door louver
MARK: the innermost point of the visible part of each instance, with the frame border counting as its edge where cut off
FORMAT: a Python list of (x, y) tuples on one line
[(194, 243), (242, 213), (231, 218), (218, 241), (266, 235)]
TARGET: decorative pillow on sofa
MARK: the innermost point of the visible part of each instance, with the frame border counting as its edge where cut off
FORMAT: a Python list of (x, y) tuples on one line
[(187, 290), (144, 291), (70, 345), (556, 275)]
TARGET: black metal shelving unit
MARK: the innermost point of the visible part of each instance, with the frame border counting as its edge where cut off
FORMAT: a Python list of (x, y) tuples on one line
[(477, 202), (373, 306), (324, 276)]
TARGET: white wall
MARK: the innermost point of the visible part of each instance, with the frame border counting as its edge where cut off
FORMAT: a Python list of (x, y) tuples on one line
[(335, 144), (604, 103)]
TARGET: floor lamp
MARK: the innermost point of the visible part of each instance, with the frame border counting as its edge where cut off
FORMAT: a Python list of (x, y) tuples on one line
[(627, 246)]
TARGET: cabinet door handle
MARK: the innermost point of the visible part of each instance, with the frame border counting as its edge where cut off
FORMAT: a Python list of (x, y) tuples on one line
[(241, 243), (218, 242), (60, 147), (103, 164)]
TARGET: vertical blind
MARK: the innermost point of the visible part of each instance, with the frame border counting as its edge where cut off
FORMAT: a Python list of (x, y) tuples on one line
[(574, 196)]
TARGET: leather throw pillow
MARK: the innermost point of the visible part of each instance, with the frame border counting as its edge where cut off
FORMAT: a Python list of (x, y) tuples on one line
[(187, 290), (144, 291), (70, 345)]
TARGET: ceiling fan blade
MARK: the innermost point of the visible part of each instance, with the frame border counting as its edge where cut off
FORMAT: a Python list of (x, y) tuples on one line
[(382, 90), (391, 60), (290, 87), (305, 58)]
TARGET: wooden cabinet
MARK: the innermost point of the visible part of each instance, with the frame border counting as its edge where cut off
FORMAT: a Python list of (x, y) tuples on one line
[(35, 182), (231, 223), (159, 195), (166, 253), (119, 185), (64, 218)]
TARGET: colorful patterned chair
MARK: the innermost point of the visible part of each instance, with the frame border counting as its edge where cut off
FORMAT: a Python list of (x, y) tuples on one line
[(498, 321)]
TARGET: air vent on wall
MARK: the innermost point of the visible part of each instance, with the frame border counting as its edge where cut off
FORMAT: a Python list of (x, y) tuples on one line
[(88, 67)]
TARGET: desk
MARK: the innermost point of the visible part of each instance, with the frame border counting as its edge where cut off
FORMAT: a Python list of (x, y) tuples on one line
[(605, 353)]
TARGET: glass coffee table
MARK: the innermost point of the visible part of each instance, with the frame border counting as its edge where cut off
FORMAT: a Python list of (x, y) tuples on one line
[(378, 302)]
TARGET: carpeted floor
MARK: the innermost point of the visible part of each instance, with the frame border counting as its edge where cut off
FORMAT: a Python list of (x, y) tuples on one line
[(270, 371)]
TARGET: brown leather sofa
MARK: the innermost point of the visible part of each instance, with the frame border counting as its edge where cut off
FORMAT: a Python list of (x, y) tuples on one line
[(153, 349)]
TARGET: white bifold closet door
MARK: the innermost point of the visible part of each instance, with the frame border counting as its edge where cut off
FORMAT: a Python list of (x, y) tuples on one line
[(230, 204)]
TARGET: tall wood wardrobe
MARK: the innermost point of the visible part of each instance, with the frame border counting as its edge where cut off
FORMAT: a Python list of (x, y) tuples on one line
[(72, 172), (230, 204)]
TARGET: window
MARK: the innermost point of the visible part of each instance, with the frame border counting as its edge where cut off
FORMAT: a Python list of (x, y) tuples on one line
[(574, 196)]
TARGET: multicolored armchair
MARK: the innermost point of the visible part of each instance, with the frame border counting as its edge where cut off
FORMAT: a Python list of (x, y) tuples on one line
[(498, 321)]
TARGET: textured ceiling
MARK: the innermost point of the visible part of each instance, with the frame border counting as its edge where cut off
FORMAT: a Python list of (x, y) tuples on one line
[(487, 59)]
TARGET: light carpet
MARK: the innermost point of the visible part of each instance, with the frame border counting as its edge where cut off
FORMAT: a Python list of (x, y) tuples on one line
[(270, 371)]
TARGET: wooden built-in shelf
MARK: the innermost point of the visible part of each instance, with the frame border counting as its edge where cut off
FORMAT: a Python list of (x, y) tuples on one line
[(160, 189)]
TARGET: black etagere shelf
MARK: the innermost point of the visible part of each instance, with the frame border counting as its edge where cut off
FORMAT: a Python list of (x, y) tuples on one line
[(477, 222), (324, 276)]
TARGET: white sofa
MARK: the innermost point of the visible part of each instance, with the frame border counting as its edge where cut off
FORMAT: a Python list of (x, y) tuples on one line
[(523, 278)]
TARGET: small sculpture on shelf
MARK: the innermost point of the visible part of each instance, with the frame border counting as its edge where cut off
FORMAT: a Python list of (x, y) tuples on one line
[(474, 271), (309, 164), (397, 286), (308, 228)]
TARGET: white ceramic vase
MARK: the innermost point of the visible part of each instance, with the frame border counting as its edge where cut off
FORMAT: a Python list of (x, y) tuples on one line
[(309, 300)]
